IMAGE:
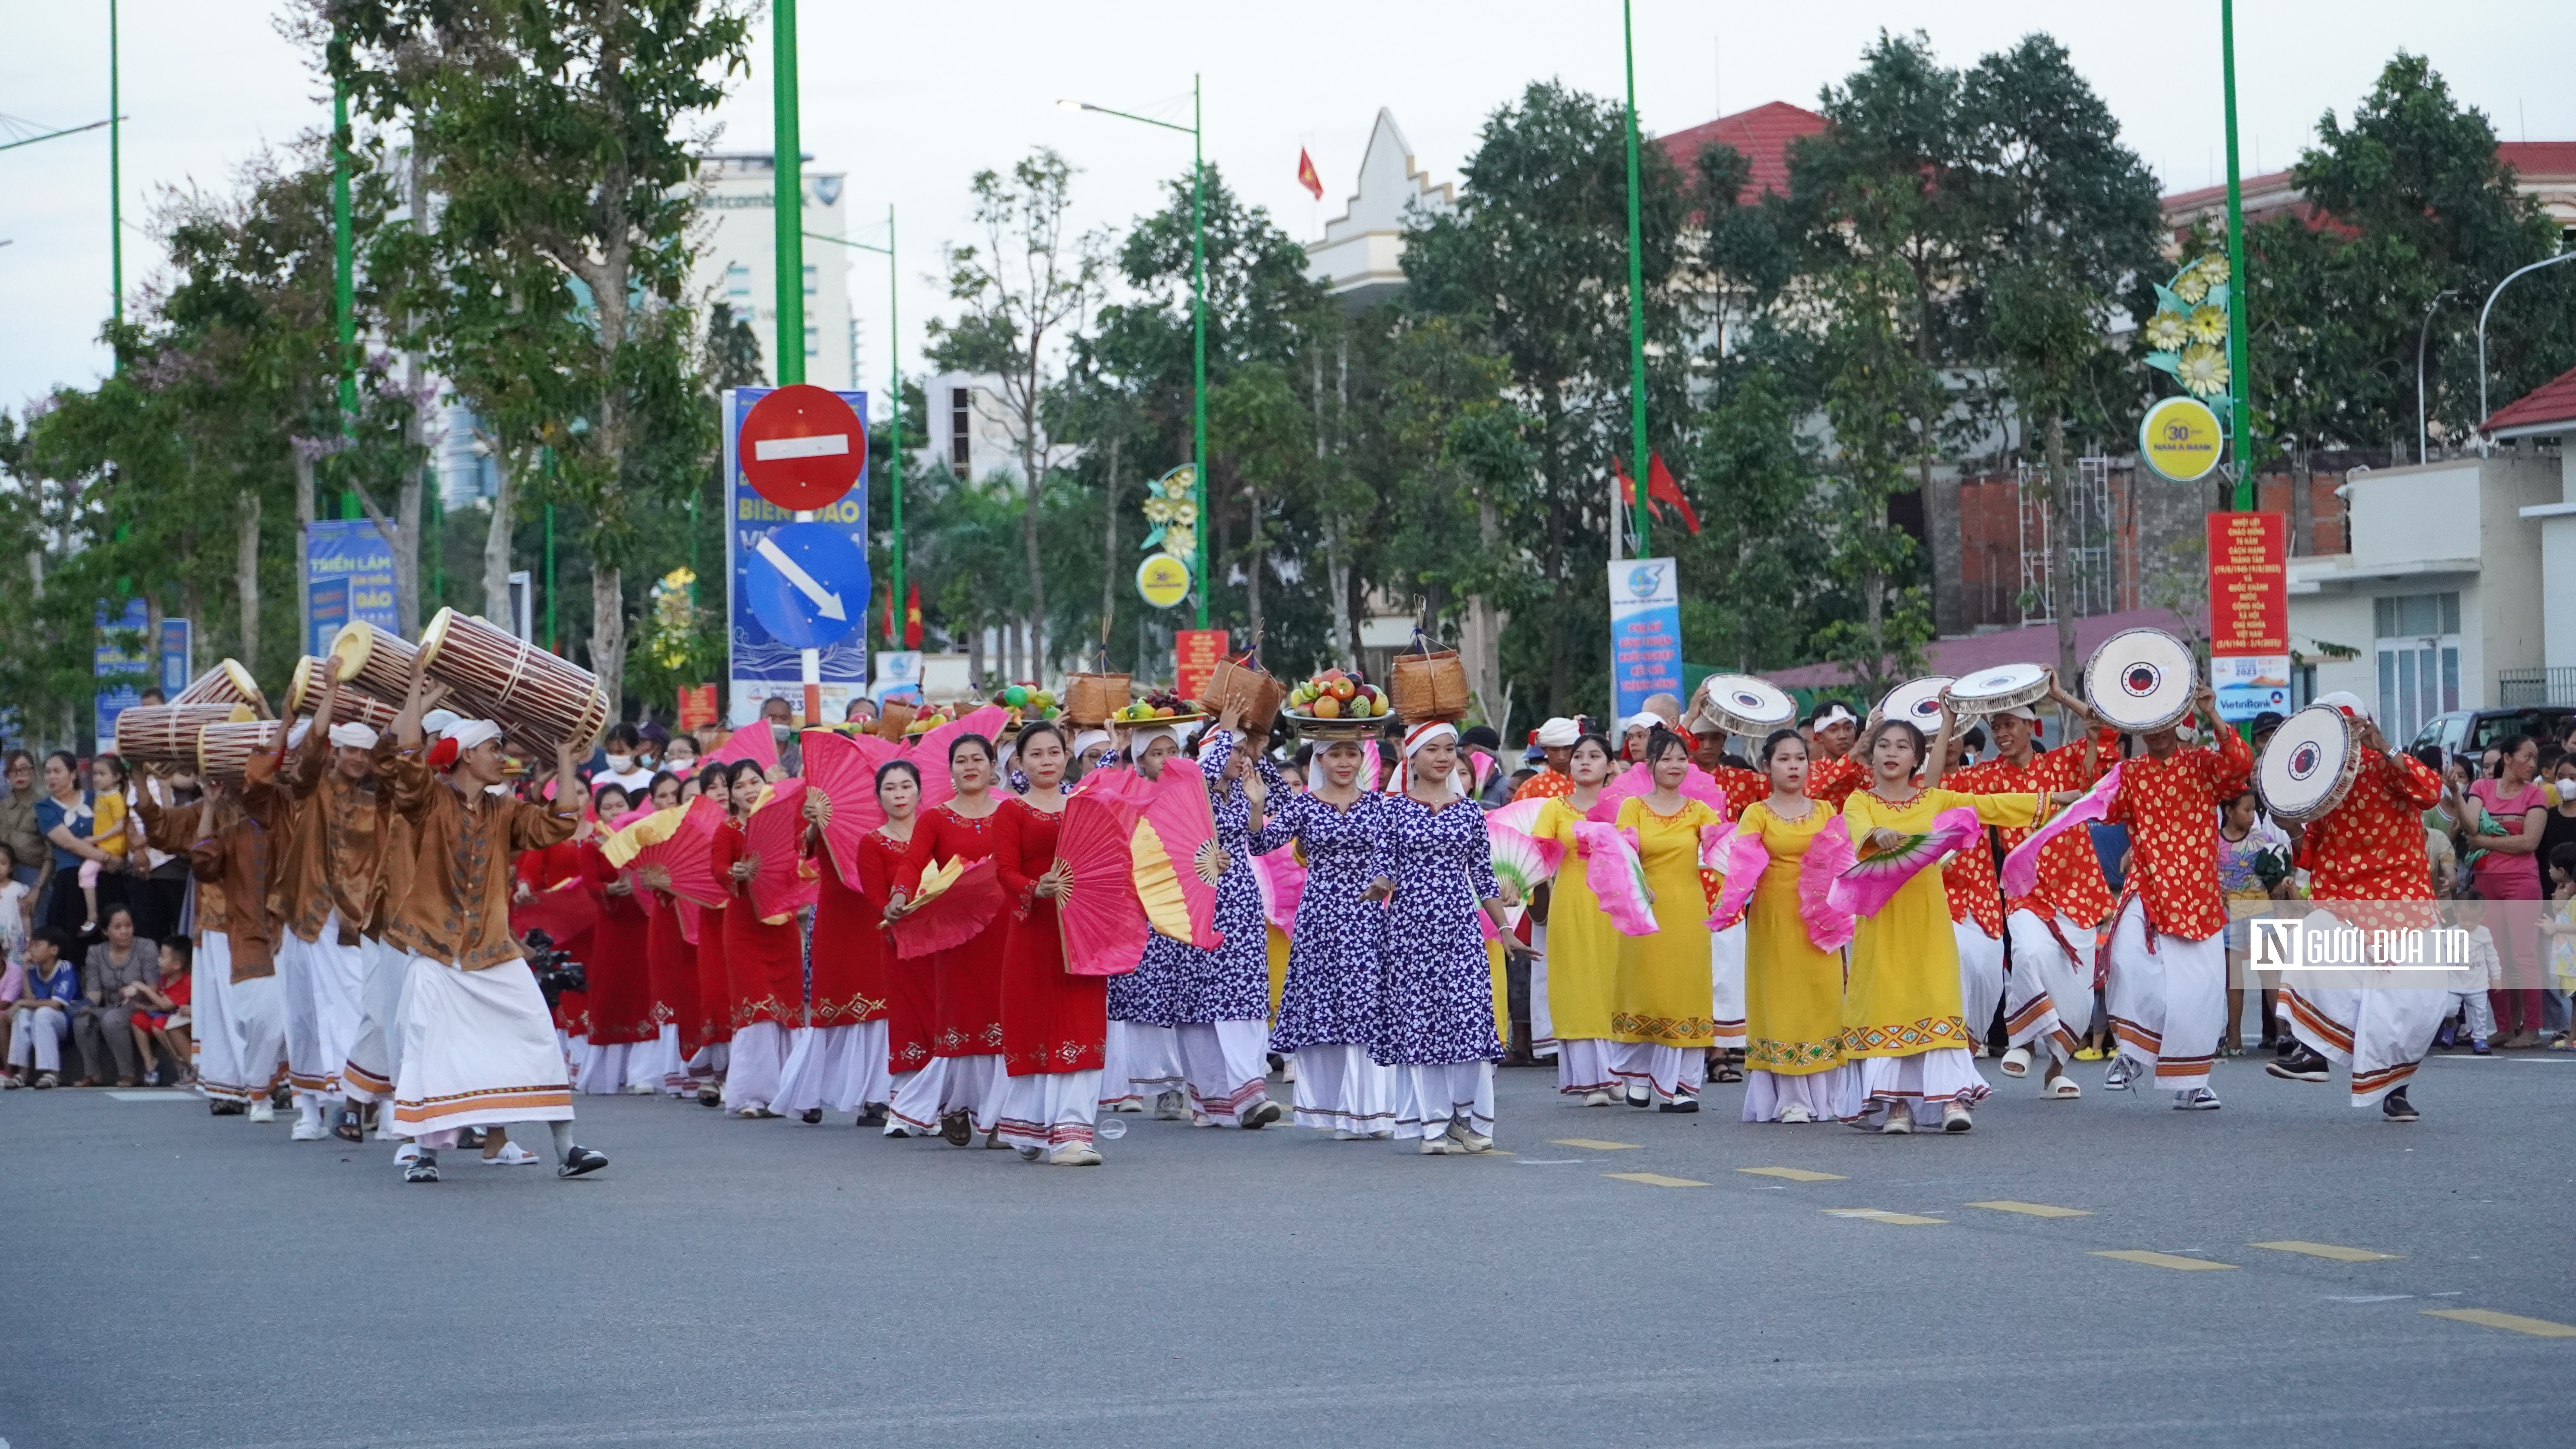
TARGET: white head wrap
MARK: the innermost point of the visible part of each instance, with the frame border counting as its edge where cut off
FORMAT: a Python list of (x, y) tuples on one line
[(296, 735), (354, 734), (1834, 714), (440, 721), (471, 732), (1087, 739), (2345, 700), (1430, 732), (1643, 720), (2021, 711), (1558, 733), (1137, 742)]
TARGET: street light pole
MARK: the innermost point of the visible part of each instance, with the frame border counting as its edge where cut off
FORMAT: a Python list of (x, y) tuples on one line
[(894, 361), (2239, 346), (2485, 412), (1636, 298), (1196, 131), (789, 169), (115, 194)]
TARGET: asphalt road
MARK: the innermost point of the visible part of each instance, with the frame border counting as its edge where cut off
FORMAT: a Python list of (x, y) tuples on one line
[(177, 1279)]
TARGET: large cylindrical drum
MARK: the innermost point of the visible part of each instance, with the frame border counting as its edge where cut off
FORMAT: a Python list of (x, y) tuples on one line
[(373, 660), (166, 734), (304, 697), (224, 751), (541, 698), (226, 683)]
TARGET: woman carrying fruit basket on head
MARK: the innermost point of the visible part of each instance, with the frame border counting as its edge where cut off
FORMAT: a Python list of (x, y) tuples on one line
[(1143, 1055), (1328, 1004), (1224, 1005)]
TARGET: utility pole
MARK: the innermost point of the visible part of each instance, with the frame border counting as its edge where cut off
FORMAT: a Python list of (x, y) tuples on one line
[(790, 200), (2240, 371), (115, 194), (1636, 298), (344, 277)]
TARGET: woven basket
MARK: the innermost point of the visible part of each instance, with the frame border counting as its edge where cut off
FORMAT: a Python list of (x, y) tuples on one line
[(1248, 687), (1429, 685), (1089, 699), (894, 718)]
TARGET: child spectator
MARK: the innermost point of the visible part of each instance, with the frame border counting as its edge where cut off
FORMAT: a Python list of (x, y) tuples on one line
[(2476, 1015), (2558, 924), (42, 1017), (2253, 866), (107, 778), (161, 1017)]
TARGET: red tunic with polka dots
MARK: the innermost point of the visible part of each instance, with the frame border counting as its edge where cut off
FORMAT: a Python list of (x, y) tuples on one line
[(2171, 809), (1969, 876), (2371, 846), (2070, 876), (1832, 781)]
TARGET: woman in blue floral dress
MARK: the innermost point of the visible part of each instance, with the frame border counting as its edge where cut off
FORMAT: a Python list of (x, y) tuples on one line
[(1224, 997), (1328, 1006)]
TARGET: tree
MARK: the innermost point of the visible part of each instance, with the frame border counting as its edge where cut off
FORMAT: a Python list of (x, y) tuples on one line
[(1031, 285), (550, 289)]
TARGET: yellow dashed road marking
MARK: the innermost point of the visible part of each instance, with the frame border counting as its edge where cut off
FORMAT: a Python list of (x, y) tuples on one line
[(1594, 1144), (1877, 1215), (1795, 1174), (2327, 1250), (2033, 1209), (2515, 1322), (1654, 1179), (2163, 1260)]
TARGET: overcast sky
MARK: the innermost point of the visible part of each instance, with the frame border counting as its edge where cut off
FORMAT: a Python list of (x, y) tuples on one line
[(911, 100)]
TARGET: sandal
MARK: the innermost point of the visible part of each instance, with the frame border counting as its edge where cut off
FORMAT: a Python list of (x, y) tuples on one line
[(347, 1129), (1728, 1073), (2062, 1086)]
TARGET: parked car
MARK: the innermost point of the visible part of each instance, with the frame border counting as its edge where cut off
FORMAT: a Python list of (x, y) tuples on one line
[(2470, 731)]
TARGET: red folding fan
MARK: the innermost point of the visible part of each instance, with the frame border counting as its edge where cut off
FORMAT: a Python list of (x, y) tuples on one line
[(562, 911), (786, 880), (1098, 919), (752, 742), (676, 848), (953, 904), (843, 769), (1175, 858), (930, 752)]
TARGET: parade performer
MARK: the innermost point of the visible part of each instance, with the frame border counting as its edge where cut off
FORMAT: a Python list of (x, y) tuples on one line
[(240, 1017), (1435, 997), (839, 1061), (2167, 991), (1793, 989), (1555, 740), (369, 1074), (2048, 997), (477, 1044), (1053, 1022), (966, 980), (671, 963), (1328, 1004), (764, 961), (1833, 770), (711, 1064), (1582, 945), (917, 1078), (623, 1032), (1144, 1052), (2369, 848), (1660, 1014), (1222, 1003), (1903, 1020), (320, 807)]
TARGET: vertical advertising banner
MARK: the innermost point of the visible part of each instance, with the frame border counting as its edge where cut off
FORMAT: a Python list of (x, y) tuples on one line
[(2249, 614), (178, 655), (326, 612), (760, 665), (697, 706), (124, 665), (1645, 632), (1195, 653), (351, 550)]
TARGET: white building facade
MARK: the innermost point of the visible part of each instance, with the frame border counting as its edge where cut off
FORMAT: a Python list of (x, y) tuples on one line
[(738, 262)]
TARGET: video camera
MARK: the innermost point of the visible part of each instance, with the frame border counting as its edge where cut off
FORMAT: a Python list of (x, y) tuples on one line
[(556, 971)]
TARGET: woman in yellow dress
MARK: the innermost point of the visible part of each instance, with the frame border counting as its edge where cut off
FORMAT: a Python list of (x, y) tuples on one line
[(1902, 1023), (1661, 1008), (1582, 945), (1793, 991)]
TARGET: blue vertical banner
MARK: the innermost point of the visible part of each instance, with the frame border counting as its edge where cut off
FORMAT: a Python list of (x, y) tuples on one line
[(1645, 633), (126, 661), (760, 664), (326, 611), (351, 550), (178, 655)]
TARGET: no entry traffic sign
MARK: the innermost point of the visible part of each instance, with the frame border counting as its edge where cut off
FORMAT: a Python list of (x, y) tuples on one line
[(802, 447)]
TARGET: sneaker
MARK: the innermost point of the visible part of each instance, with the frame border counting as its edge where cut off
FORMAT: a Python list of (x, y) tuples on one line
[(1201, 1119), (1596, 1099), (1640, 1098), (1795, 1113), (219, 1107), (1171, 1107), (2303, 1065), (1679, 1104), (1261, 1114), (1074, 1154), (261, 1109), (1464, 1139), (1129, 1104), (2197, 1099), (811, 1116), (511, 1155), (1344, 1134), (580, 1160), (874, 1116), (2396, 1108), (710, 1097), (1031, 1154), (1900, 1120), (2123, 1073), (1955, 1117), (423, 1168), (1434, 1147), (897, 1129)]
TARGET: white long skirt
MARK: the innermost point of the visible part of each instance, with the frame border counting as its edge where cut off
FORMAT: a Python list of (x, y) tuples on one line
[(367, 1073), (603, 1069), (913, 1098), (1928, 1082), (1139, 1063), (216, 1043), (1583, 1065), (1431, 1096), (259, 1032), (2168, 1006), (324, 991), (654, 1066), (1340, 1088), (1831, 1095), (759, 1055), (1542, 1020), (477, 1047), (2049, 996), (1228, 1066), (1981, 977), (1726, 985), (1669, 1073), (835, 1069), (1047, 1110)]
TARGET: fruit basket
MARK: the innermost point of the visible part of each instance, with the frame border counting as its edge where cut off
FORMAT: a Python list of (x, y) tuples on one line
[(1336, 702)]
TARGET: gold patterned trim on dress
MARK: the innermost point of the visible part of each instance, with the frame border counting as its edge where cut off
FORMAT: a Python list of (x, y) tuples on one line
[(1674, 1030), (1900, 1039), (1793, 1058)]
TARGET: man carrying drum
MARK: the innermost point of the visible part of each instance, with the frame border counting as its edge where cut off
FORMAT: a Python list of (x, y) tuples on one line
[(2048, 995), (2367, 846)]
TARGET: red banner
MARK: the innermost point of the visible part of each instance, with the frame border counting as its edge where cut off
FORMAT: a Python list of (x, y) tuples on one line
[(1196, 652), (2249, 605), (697, 705)]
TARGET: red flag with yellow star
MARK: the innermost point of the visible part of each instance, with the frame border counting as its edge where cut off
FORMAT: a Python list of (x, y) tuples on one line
[(1307, 176)]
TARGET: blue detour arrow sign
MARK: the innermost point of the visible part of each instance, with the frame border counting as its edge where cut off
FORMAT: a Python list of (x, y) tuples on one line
[(808, 584)]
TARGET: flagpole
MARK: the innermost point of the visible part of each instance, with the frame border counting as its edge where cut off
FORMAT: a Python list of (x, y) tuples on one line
[(1636, 294)]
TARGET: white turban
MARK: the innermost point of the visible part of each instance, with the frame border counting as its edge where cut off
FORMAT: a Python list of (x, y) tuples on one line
[(1089, 738), (2346, 701), (354, 734), (1643, 720), (440, 721), (1833, 714), (296, 735), (1559, 733), (471, 732), (1137, 742)]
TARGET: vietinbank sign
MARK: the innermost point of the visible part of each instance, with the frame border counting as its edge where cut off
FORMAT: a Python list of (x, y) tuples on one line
[(1645, 632)]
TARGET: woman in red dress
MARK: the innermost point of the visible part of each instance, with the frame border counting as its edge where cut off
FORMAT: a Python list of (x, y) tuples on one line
[(917, 1080), (764, 960), (1053, 1023), (966, 981), (839, 1061), (621, 987), (709, 1066), (671, 967)]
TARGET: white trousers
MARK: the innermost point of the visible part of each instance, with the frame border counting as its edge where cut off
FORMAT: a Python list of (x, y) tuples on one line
[(975, 1087), (1829, 1096), (1927, 1082), (759, 1055), (1047, 1110), (324, 985), (2378, 1023), (2476, 1013), (2049, 996), (1340, 1088), (1542, 1020), (1139, 1063), (368, 1070), (1726, 984), (1981, 977), (913, 1098), (2168, 1006), (1227, 1063), (1583, 1065), (36, 1036), (1431, 1096), (834, 1069), (1670, 1073), (477, 1047)]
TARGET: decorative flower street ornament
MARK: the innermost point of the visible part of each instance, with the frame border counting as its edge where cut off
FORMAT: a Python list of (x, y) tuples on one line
[(1175, 516), (2188, 333), (2167, 332), (2203, 369)]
